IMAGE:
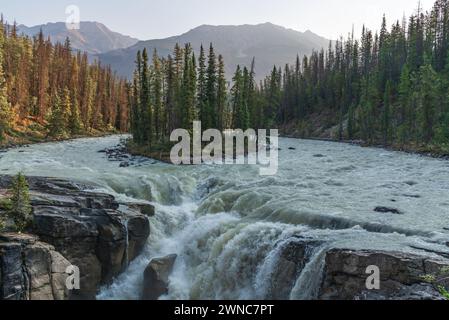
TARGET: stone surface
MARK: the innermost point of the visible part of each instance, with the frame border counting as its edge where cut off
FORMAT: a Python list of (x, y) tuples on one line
[(31, 270), (156, 277), (400, 275), (88, 228)]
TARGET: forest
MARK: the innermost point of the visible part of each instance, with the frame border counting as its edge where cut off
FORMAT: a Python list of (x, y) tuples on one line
[(51, 92), (389, 88)]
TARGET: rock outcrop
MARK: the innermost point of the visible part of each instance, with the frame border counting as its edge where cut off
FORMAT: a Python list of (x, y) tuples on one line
[(401, 276), (343, 273), (31, 270), (156, 277), (90, 229)]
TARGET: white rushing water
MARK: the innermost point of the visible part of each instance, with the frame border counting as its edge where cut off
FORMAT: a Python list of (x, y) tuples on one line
[(227, 223)]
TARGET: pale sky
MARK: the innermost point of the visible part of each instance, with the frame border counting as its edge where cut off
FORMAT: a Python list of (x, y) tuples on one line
[(150, 19)]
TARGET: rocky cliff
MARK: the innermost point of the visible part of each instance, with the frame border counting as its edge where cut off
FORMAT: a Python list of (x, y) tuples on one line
[(86, 229)]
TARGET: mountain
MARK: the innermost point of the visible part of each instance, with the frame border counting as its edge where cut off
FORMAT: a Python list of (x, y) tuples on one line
[(92, 37), (268, 43)]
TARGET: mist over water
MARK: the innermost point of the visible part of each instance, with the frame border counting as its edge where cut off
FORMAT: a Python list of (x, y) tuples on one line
[(228, 224)]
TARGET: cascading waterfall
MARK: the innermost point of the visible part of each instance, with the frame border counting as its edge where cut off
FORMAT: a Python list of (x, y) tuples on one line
[(308, 282), (230, 227)]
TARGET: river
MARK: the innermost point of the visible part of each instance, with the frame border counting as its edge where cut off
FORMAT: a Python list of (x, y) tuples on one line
[(227, 223)]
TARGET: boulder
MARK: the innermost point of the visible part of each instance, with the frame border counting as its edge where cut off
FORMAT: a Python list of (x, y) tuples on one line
[(387, 210), (156, 277), (138, 232), (144, 208)]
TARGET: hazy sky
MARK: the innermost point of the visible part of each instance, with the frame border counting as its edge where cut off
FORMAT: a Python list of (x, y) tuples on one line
[(149, 19)]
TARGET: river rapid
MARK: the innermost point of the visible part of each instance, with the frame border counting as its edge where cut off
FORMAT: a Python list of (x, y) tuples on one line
[(227, 224)]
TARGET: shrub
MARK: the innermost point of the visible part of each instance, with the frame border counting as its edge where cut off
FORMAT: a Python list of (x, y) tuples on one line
[(438, 280)]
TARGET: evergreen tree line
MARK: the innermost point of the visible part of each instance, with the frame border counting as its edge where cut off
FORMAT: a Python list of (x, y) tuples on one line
[(390, 87), (172, 92), (51, 86)]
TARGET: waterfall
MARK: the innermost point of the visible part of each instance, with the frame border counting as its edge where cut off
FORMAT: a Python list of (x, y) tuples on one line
[(230, 227), (308, 283)]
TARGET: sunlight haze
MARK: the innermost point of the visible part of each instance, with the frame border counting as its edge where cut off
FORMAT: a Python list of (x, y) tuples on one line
[(150, 19)]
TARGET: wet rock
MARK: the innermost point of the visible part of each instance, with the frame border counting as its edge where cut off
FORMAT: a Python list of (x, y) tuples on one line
[(124, 165), (31, 270), (138, 233), (414, 196), (291, 148), (294, 256), (387, 210), (144, 208), (156, 277), (400, 275)]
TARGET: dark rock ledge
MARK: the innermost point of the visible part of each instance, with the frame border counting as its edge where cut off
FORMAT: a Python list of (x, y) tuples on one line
[(71, 226), (343, 275)]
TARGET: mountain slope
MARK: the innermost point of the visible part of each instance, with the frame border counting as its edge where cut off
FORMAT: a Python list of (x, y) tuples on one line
[(92, 37), (269, 43)]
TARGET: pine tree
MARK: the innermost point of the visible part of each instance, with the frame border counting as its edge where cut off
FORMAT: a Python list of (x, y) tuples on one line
[(221, 94), (157, 95), (237, 99), (210, 118), (188, 114), (57, 120), (427, 101), (20, 209), (201, 88), (386, 114), (74, 123), (6, 113), (145, 101)]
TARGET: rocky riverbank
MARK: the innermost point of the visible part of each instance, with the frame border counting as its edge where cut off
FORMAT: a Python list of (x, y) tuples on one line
[(72, 226), (341, 274), (332, 135), (334, 274)]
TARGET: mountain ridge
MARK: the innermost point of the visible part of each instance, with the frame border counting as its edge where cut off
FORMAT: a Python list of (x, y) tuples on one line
[(93, 37), (270, 44)]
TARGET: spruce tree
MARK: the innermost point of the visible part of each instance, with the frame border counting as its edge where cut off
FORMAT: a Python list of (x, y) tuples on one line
[(427, 102), (201, 88), (386, 114), (210, 117), (6, 113), (74, 123), (145, 101), (237, 99), (57, 121), (157, 95), (221, 94), (20, 209)]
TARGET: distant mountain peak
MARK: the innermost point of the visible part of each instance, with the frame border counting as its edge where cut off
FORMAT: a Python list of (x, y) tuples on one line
[(92, 37), (269, 43)]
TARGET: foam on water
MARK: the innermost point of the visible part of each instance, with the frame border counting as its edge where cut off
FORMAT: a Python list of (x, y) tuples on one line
[(228, 225)]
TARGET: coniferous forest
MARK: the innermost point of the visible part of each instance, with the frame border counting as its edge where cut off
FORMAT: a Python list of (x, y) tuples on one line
[(388, 88), (48, 91)]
